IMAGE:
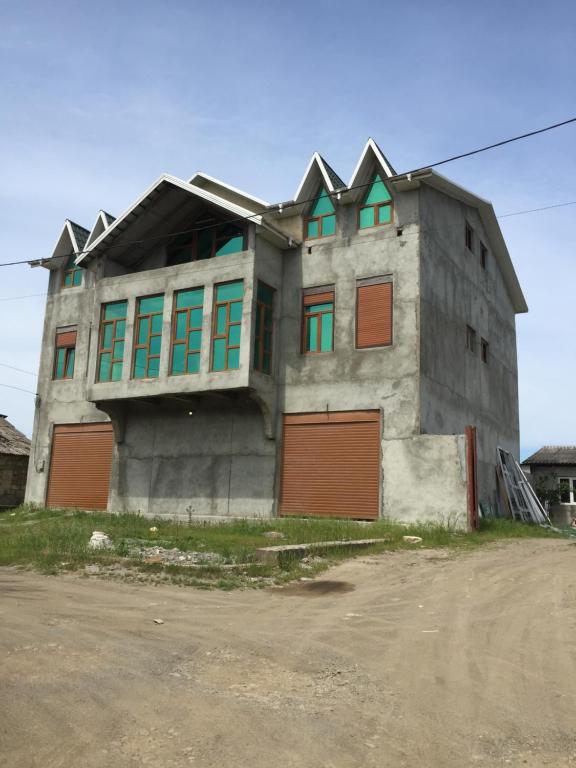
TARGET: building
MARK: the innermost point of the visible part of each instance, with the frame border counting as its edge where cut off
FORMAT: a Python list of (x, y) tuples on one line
[(553, 468), (209, 354), (14, 453)]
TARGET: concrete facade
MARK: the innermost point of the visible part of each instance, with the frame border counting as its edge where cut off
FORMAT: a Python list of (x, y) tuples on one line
[(209, 444)]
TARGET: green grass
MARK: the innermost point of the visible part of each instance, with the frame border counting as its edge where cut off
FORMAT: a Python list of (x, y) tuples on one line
[(56, 540)]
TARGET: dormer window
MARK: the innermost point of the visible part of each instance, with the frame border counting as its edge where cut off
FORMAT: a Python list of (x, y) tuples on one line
[(321, 220), (376, 209), (205, 243), (72, 274)]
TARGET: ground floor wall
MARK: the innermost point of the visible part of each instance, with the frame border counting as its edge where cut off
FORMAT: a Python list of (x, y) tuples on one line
[(549, 477), (13, 470), (213, 459)]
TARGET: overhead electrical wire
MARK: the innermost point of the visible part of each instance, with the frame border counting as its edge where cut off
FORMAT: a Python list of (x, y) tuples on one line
[(291, 204)]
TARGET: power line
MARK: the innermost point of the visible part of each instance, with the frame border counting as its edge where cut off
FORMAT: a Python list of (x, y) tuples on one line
[(20, 370), (20, 389), (26, 296), (534, 210), (291, 204)]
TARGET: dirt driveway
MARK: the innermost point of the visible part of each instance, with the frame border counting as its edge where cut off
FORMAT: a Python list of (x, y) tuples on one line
[(403, 659)]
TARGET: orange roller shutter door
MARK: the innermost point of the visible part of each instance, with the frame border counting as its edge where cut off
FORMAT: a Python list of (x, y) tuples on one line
[(374, 315), (331, 465), (80, 466)]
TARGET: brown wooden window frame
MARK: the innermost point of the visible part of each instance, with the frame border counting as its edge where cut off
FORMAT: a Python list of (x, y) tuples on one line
[(193, 242), (66, 340), (320, 220), (138, 317), (115, 339), (384, 279), (311, 297), (469, 237), (385, 204), (174, 342), (483, 255), (484, 350), (229, 324), (265, 328)]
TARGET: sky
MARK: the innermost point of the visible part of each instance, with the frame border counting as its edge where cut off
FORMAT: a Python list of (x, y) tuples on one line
[(98, 99)]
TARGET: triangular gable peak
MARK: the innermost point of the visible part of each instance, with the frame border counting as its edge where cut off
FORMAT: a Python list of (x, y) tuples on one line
[(228, 192), (103, 221), (372, 161), (318, 175), (71, 241)]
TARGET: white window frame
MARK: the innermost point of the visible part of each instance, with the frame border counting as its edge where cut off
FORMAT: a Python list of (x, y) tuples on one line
[(571, 481)]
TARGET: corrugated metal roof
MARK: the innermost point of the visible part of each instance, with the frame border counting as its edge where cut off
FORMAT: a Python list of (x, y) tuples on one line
[(553, 454), (12, 441)]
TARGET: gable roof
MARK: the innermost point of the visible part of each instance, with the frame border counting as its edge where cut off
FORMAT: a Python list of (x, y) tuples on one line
[(372, 156), (72, 240), (553, 454), (103, 221), (228, 192), (318, 171), (12, 441)]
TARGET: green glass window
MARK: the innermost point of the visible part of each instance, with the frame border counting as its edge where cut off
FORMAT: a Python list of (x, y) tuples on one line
[(321, 220), (148, 337), (72, 274), (214, 240), (227, 325), (65, 354), (264, 328), (318, 322), (187, 331), (112, 338), (377, 207)]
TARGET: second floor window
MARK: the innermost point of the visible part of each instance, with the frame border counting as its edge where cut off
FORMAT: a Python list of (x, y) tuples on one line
[(227, 326), (72, 274), (111, 341), (214, 240), (264, 328), (65, 353), (321, 220), (148, 337), (318, 321), (376, 209), (187, 331)]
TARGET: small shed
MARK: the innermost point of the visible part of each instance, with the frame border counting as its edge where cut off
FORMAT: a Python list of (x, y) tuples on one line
[(14, 455), (553, 467)]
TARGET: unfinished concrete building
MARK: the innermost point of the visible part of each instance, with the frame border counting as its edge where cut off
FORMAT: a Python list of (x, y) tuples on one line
[(209, 354)]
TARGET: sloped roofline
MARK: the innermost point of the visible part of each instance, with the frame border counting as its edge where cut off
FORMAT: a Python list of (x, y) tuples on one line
[(103, 221), (174, 181), (489, 220), (371, 147), (317, 160), (235, 190)]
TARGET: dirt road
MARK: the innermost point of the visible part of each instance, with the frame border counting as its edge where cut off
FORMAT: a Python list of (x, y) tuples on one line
[(405, 659)]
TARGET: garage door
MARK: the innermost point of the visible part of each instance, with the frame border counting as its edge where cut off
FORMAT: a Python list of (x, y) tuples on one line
[(331, 464), (80, 466)]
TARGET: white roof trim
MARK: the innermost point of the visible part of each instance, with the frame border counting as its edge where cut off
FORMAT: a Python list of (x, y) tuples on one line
[(371, 146), (208, 196), (100, 225), (220, 183), (315, 159)]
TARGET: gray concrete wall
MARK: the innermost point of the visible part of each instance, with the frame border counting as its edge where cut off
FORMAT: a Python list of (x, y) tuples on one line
[(425, 480), (548, 477), (13, 471), (457, 388)]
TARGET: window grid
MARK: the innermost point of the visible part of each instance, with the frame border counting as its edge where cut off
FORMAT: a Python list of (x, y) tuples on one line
[(264, 328), (318, 323), (72, 276), (111, 341), (148, 339), (207, 243), (230, 310), (377, 209), (186, 340)]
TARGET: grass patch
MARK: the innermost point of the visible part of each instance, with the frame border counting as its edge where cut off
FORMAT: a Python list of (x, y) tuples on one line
[(57, 540)]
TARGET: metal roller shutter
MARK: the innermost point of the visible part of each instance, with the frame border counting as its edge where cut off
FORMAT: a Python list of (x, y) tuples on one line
[(331, 465), (374, 315), (80, 466)]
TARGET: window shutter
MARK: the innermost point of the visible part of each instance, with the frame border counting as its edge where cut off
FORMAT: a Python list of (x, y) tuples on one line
[(318, 298), (65, 339), (374, 315)]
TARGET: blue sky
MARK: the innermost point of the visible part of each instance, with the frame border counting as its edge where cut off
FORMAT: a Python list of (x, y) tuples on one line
[(98, 99)]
